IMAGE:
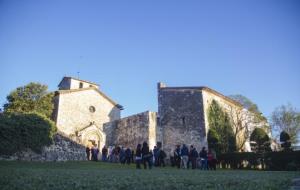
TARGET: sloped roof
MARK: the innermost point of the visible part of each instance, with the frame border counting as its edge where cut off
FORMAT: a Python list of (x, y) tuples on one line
[(78, 80), (91, 88)]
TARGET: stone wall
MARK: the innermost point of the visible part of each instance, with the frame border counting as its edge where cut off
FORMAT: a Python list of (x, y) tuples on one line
[(62, 149), (181, 117), (132, 130), (74, 114)]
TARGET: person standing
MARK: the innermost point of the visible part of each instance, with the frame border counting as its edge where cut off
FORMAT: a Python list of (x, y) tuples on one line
[(104, 154), (95, 150), (146, 156), (161, 158), (132, 156), (177, 155), (203, 157), (122, 155), (212, 159), (117, 154), (138, 156), (193, 157), (155, 152), (93, 153), (88, 153), (127, 155), (184, 156)]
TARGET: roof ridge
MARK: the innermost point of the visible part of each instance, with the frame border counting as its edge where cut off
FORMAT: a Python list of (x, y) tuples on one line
[(92, 88), (207, 89), (66, 77)]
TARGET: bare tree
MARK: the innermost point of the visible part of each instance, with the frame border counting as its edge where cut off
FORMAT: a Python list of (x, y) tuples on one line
[(286, 118), (243, 123)]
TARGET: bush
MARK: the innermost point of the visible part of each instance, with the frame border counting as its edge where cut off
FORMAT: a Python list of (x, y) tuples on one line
[(239, 160), (269, 161), (262, 140), (283, 160), (285, 140), (284, 136), (20, 131)]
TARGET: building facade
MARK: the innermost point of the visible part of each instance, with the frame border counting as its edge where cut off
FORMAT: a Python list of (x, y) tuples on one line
[(81, 109), (85, 114)]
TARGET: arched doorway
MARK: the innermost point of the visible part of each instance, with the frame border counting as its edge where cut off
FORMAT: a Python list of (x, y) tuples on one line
[(92, 135), (93, 138)]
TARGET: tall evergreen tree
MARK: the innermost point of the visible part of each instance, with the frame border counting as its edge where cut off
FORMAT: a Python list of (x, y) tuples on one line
[(219, 122)]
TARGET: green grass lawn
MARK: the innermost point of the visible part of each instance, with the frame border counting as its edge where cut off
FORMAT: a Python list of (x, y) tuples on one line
[(90, 175)]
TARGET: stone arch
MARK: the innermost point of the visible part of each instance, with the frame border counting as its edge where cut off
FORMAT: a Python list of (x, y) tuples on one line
[(93, 135)]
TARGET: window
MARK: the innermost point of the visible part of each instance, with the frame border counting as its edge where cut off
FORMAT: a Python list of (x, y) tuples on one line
[(92, 109), (81, 85), (183, 120)]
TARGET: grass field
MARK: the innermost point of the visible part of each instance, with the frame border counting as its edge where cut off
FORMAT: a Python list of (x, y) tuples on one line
[(89, 175)]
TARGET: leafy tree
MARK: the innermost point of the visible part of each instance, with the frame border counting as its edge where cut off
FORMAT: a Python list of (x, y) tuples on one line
[(285, 140), (220, 123), (286, 118), (261, 139), (32, 97)]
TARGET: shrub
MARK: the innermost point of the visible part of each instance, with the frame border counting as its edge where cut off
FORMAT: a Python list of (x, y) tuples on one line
[(262, 140), (283, 160), (269, 161), (19, 131), (239, 160), (285, 140)]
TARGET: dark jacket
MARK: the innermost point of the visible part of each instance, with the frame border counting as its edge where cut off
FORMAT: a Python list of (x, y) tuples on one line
[(177, 152), (194, 153), (138, 152), (128, 153), (184, 151), (104, 151), (203, 154), (145, 150)]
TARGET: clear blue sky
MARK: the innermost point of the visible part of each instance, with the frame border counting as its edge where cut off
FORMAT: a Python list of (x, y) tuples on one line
[(235, 47)]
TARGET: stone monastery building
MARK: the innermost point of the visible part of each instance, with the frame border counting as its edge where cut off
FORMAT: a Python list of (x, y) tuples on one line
[(86, 115)]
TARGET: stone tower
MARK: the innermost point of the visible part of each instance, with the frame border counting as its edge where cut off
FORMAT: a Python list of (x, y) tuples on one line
[(183, 114)]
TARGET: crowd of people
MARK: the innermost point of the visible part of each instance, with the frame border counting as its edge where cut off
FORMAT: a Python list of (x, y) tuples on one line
[(92, 153), (182, 156)]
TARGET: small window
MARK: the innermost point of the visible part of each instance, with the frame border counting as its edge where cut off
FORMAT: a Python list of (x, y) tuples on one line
[(183, 120), (92, 109), (91, 85), (81, 85)]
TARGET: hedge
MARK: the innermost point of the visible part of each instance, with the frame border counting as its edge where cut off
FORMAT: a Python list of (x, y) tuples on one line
[(20, 131), (284, 160)]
